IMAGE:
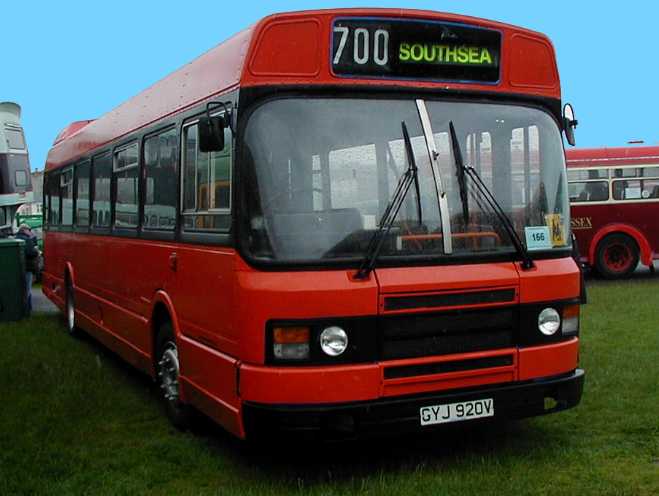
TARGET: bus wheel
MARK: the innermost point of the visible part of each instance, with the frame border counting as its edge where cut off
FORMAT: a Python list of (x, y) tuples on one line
[(70, 310), (168, 367), (617, 256)]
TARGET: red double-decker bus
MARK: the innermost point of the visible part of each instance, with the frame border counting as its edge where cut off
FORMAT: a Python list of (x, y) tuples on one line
[(338, 221), (614, 193)]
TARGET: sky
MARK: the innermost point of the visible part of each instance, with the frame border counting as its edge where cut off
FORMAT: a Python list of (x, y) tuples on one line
[(66, 61)]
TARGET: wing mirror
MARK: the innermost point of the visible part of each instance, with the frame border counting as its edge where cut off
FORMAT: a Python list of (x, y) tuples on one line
[(211, 128), (569, 123)]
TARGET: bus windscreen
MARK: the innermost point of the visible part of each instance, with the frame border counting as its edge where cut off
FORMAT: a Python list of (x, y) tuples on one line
[(405, 49)]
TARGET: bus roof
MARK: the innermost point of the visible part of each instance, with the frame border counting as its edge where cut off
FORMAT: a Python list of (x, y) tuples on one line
[(624, 155), (293, 49)]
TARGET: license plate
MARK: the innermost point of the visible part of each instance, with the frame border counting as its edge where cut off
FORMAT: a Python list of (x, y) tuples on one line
[(457, 412)]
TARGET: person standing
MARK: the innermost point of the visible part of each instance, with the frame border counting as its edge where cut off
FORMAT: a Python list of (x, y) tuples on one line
[(31, 261)]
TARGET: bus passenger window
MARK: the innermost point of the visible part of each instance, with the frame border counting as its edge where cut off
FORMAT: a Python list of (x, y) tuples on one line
[(82, 194), (66, 192), (102, 172), (160, 185), (53, 195), (206, 183), (627, 190), (126, 185)]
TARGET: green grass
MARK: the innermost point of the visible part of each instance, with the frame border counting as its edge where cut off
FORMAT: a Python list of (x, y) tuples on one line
[(75, 420)]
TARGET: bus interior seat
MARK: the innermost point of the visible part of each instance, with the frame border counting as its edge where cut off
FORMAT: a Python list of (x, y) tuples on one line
[(320, 230)]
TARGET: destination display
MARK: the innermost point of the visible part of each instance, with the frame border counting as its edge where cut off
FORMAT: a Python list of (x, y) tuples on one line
[(405, 49)]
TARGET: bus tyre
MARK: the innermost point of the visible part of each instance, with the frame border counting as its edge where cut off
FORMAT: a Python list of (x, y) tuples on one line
[(70, 310), (168, 367), (617, 256)]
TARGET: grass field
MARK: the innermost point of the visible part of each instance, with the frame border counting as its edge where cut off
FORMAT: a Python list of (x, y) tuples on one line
[(74, 419)]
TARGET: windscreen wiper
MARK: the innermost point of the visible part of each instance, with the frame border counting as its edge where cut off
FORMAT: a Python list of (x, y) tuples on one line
[(389, 216), (460, 174), (527, 262)]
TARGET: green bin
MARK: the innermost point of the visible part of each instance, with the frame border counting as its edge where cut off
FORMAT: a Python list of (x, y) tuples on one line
[(12, 279)]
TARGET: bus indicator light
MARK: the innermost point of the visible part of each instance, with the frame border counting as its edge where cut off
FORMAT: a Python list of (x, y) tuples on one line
[(570, 320), (291, 343)]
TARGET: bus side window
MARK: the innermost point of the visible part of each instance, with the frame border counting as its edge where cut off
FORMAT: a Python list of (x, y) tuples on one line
[(82, 194), (206, 183), (102, 173), (160, 153), (66, 194), (125, 171)]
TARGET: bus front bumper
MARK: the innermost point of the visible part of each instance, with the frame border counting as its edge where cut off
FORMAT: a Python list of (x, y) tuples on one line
[(402, 414)]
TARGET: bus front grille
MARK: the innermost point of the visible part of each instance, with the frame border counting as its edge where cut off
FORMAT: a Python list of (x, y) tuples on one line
[(412, 336)]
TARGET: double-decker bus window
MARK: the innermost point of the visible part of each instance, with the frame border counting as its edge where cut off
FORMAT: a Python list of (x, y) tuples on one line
[(160, 180), (650, 172), (82, 194), (206, 183), (587, 174), (102, 173), (126, 186), (650, 189), (588, 191), (53, 194), (627, 190), (21, 178), (15, 139), (66, 195), (626, 172), (636, 189)]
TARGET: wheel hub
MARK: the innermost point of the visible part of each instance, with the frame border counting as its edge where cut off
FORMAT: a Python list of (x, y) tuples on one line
[(168, 371), (618, 257)]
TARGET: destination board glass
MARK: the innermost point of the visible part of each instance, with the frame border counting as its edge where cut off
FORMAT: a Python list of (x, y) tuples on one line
[(404, 49)]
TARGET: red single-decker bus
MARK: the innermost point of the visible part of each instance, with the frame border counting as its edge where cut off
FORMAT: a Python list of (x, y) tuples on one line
[(339, 221)]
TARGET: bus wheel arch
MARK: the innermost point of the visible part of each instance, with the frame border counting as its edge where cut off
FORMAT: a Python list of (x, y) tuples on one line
[(617, 255), (642, 244), (166, 364)]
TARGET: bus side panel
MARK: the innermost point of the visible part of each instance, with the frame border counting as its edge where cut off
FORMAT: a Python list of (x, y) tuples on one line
[(201, 287), (589, 222), (550, 280), (210, 383)]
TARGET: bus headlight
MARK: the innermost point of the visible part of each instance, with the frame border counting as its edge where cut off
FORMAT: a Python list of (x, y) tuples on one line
[(333, 341), (549, 321)]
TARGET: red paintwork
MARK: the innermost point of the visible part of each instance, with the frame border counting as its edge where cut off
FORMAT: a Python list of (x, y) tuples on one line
[(636, 219), (261, 55), (219, 305), (553, 359)]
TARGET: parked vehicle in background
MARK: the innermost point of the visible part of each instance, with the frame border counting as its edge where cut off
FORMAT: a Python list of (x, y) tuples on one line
[(614, 196), (15, 183), (336, 221)]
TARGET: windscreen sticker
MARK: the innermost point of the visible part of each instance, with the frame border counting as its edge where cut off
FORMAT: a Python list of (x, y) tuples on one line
[(537, 238), (556, 229)]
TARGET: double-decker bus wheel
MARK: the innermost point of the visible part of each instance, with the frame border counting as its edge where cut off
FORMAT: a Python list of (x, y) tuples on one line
[(617, 256), (70, 313), (168, 368)]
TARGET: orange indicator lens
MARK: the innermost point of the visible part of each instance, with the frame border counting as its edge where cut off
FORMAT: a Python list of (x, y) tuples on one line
[(571, 311), (291, 335)]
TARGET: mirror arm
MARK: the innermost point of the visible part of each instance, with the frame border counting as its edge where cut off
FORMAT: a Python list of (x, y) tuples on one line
[(228, 110)]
